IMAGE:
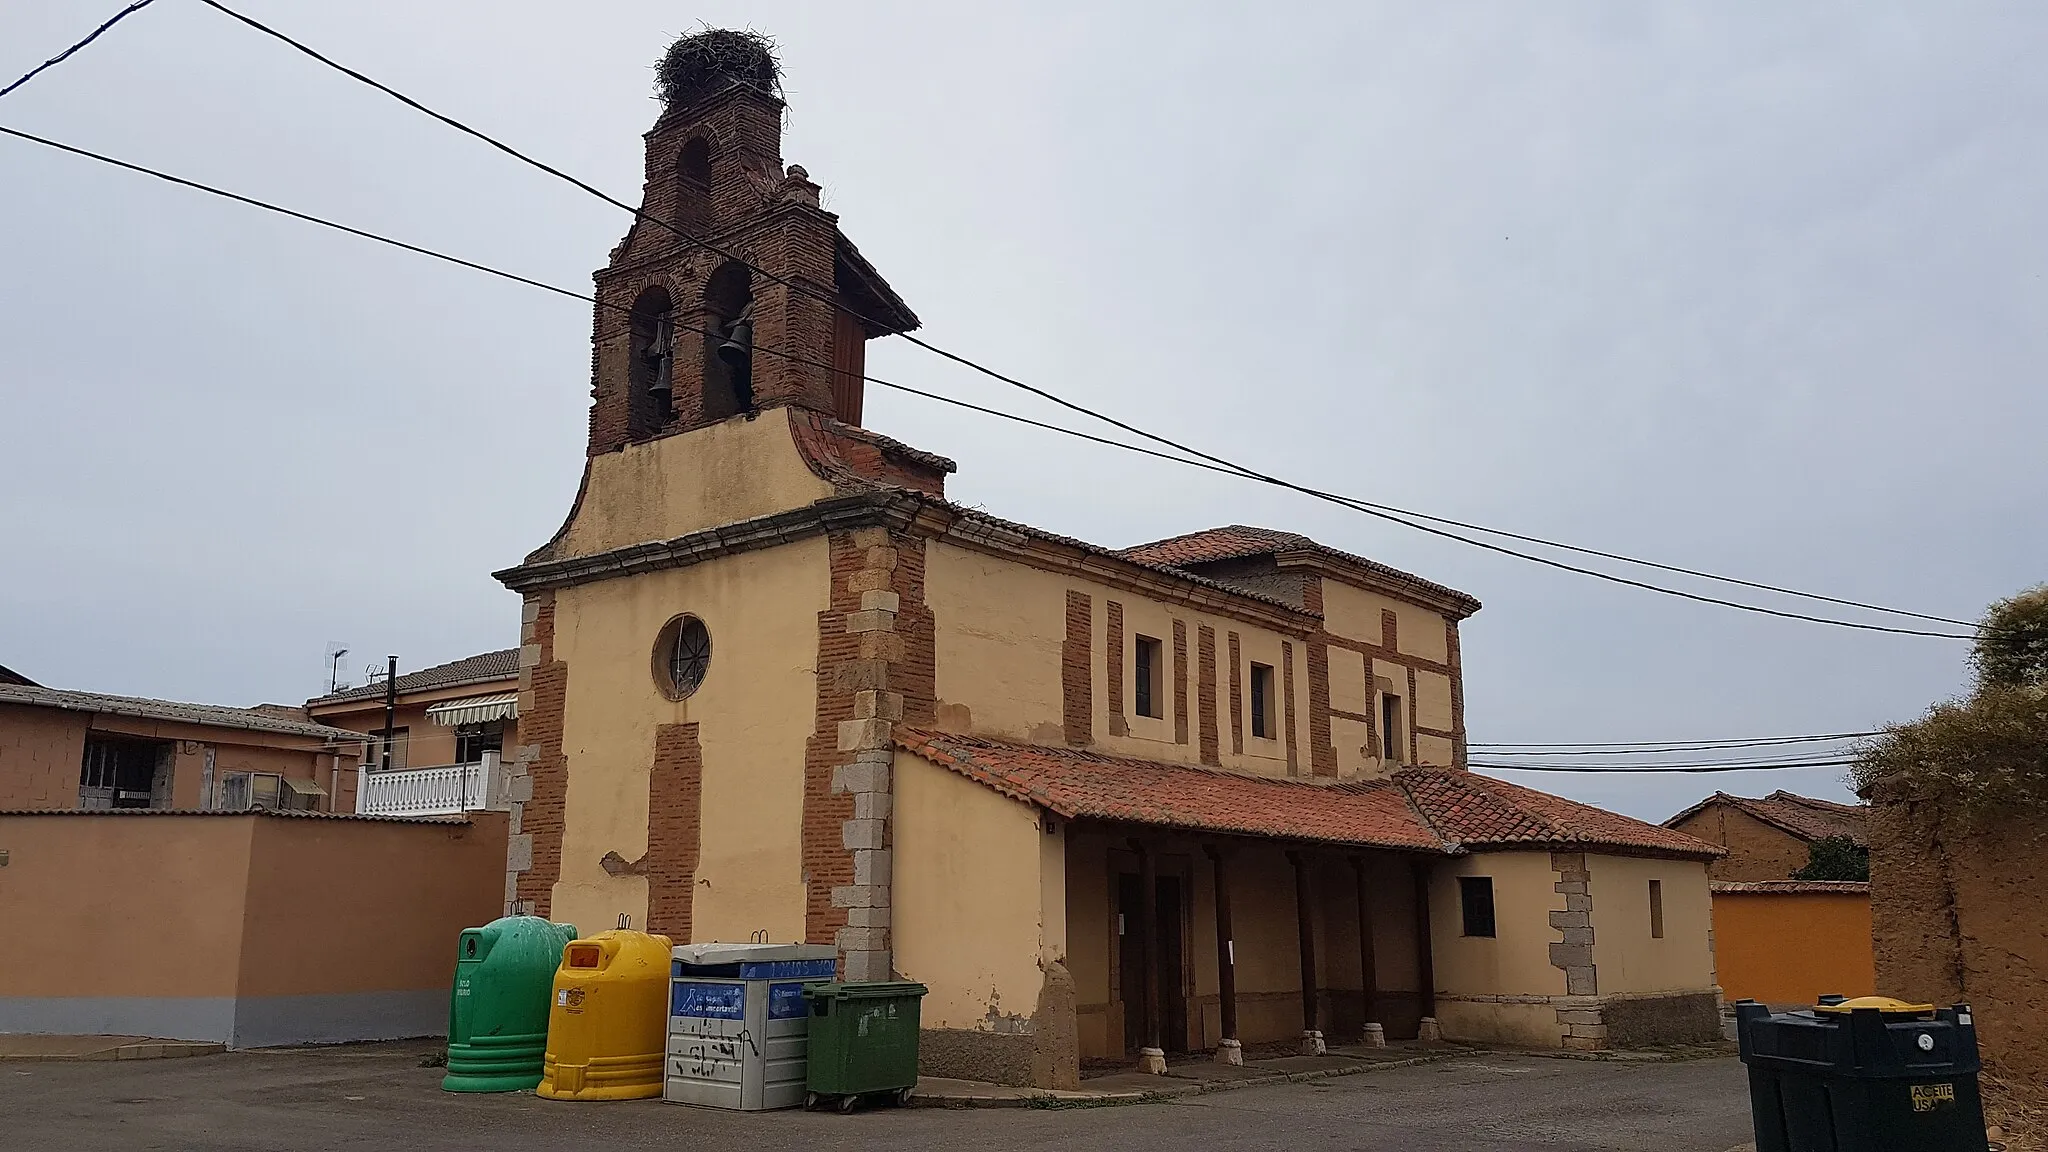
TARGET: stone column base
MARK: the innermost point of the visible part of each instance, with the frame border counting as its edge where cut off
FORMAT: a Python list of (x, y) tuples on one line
[(1230, 1052), (1312, 1044), (1429, 1032), (1152, 1061), (1375, 1036)]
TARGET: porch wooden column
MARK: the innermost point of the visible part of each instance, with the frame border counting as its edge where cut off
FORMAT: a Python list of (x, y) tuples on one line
[(1304, 907), (1368, 961), (1152, 1058), (1425, 964), (1228, 1050)]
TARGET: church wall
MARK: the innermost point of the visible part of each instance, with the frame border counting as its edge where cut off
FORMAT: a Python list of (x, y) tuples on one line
[(1003, 639), (751, 718), (719, 474)]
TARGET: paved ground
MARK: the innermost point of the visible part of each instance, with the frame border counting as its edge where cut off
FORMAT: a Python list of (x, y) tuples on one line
[(377, 1097)]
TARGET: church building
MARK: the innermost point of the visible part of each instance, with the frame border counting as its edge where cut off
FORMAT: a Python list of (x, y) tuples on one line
[(1151, 803)]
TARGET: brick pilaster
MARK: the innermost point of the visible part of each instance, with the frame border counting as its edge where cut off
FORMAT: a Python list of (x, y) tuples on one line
[(1205, 694), (1236, 698), (1322, 755), (1077, 667), (675, 807), (1113, 666), (875, 668), (1287, 695), (1180, 682), (537, 772)]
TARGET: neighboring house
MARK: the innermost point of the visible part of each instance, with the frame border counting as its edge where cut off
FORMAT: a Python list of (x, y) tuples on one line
[(1767, 839), (61, 749), (447, 721), (1202, 792), (1790, 942)]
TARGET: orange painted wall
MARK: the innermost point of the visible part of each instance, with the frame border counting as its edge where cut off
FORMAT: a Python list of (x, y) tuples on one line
[(240, 904), (1791, 947)]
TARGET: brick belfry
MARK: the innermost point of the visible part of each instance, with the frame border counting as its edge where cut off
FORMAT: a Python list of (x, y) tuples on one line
[(727, 234), (727, 353)]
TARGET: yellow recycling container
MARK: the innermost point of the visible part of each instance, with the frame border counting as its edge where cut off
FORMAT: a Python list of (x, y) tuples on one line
[(609, 1021)]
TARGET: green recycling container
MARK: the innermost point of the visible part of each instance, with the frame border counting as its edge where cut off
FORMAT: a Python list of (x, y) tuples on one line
[(863, 1041), (498, 1013)]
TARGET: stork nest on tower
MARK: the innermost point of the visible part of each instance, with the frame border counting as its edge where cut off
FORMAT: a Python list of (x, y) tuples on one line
[(713, 60)]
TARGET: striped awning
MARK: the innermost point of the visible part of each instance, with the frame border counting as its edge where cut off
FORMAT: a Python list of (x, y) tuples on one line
[(475, 709)]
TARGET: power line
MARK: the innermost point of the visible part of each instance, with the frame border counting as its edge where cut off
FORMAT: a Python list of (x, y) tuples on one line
[(1220, 466), (1694, 770), (1633, 749), (1387, 512), (66, 54)]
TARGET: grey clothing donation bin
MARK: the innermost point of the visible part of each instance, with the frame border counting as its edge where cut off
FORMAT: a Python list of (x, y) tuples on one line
[(738, 1024)]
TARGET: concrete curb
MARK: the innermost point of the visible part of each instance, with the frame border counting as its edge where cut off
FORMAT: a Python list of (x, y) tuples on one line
[(1051, 1099), (139, 1050)]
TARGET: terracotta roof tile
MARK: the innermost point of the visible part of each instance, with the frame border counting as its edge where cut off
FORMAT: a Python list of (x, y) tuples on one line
[(1476, 811), (243, 719), (1806, 817), (1238, 541), (1765, 887), (1077, 784), (1422, 810), (502, 664)]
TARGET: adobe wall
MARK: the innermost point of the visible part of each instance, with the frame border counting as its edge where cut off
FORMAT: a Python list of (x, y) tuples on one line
[(1756, 850), (1963, 916)]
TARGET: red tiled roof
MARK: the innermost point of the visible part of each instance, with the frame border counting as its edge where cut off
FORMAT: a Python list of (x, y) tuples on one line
[(1077, 784), (1472, 811), (1238, 541), (502, 664), (1424, 810), (1806, 817), (1765, 887)]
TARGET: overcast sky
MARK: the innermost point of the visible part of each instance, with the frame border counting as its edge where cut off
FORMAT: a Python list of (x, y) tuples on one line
[(1752, 287)]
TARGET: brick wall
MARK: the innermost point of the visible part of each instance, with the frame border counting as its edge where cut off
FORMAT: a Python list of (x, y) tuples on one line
[(539, 772), (1077, 690), (675, 809)]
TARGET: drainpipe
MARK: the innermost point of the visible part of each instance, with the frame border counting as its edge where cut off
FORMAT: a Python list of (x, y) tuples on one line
[(390, 708), (334, 780)]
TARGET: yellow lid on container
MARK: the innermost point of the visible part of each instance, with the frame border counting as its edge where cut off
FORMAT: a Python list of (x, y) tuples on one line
[(1884, 1004)]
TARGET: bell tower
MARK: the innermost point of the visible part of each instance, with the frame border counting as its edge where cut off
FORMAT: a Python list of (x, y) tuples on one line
[(733, 292)]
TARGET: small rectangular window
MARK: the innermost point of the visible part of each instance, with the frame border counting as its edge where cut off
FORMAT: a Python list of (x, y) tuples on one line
[(1475, 895), (1656, 909), (1390, 730), (1262, 701), (1145, 681)]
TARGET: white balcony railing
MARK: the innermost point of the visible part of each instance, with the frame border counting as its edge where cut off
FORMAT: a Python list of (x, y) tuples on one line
[(443, 790)]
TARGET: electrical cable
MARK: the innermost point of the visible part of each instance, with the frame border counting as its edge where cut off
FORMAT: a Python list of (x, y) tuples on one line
[(1220, 466), (1652, 749), (66, 54), (1701, 770), (1387, 512)]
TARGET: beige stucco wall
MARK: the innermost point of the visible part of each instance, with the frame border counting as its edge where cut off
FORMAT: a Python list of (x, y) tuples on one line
[(1628, 959), (721, 474), (1514, 963), (1354, 613), (41, 750), (1000, 625), (969, 914), (755, 710)]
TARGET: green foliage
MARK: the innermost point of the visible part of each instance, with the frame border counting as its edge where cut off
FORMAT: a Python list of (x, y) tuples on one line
[(1985, 757), (2012, 643), (1988, 754), (713, 60), (1835, 858)]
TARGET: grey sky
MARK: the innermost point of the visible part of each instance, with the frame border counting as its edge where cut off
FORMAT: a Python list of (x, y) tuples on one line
[(1754, 287)]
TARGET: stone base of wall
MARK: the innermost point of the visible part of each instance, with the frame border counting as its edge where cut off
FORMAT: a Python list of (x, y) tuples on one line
[(1640, 1021), (1586, 1023), (971, 1054)]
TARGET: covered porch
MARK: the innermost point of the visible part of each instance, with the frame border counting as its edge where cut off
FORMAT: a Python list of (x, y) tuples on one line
[(1180, 942)]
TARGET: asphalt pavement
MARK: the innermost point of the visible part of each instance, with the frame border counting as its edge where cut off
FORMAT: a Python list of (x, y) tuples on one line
[(379, 1097)]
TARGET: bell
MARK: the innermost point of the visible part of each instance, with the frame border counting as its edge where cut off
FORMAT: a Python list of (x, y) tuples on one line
[(738, 346)]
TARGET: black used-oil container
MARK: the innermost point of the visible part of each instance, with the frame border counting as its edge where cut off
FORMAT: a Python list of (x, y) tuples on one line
[(1866, 1075)]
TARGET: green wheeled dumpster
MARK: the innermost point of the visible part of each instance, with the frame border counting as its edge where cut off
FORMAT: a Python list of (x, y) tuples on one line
[(498, 1014), (1866, 1075), (863, 1042)]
